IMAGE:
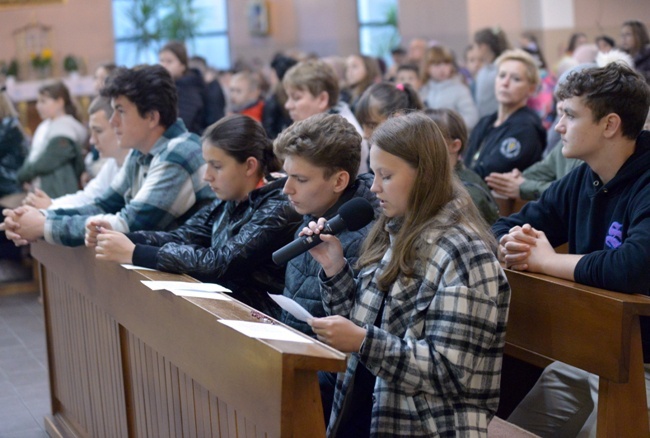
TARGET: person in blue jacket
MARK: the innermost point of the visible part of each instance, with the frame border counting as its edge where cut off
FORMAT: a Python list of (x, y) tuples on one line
[(513, 137), (602, 209)]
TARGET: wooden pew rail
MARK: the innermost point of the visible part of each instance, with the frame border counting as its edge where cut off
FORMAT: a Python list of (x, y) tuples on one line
[(590, 328), (128, 361)]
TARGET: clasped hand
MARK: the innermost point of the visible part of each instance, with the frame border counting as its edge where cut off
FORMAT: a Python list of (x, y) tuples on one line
[(525, 249), (506, 184), (23, 225), (109, 245)]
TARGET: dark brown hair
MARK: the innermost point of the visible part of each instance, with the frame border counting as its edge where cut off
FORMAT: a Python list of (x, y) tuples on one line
[(242, 137), (615, 88), (179, 51), (384, 99), (58, 90)]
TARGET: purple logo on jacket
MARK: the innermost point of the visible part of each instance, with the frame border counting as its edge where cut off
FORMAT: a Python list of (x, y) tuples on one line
[(614, 237)]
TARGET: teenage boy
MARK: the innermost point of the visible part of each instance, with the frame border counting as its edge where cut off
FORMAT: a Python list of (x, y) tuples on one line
[(321, 158), (313, 88), (103, 138), (160, 182), (602, 209)]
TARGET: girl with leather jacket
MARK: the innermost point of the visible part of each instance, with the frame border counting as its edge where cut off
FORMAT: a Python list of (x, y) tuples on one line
[(231, 240)]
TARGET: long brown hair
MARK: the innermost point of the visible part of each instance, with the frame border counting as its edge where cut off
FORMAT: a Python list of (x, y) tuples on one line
[(58, 90), (373, 74), (416, 139)]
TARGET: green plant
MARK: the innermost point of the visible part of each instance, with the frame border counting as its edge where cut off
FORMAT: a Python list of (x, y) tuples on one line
[(143, 18), (12, 68), (42, 60), (382, 46), (181, 22), (70, 64), (156, 21)]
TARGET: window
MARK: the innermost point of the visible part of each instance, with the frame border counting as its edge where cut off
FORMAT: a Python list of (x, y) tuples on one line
[(141, 27), (378, 33)]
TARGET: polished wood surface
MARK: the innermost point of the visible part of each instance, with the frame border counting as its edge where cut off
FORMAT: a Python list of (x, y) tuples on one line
[(589, 328), (128, 361)]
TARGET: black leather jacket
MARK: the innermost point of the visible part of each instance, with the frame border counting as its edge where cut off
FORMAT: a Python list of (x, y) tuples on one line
[(230, 243)]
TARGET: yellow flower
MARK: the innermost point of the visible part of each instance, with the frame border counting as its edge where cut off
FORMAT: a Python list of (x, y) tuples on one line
[(46, 53)]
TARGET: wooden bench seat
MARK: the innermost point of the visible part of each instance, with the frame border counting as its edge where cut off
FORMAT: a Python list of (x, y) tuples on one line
[(590, 328)]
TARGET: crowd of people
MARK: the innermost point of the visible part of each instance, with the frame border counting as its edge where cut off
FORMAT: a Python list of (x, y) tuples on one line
[(208, 175)]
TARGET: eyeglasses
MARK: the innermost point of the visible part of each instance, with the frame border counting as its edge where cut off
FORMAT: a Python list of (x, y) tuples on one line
[(262, 317)]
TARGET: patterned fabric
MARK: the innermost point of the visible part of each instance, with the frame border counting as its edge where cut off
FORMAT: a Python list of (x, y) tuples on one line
[(437, 353), (151, 192)]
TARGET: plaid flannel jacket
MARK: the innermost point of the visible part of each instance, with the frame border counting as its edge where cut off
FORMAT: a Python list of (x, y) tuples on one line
[(438, 351), (150, 192)]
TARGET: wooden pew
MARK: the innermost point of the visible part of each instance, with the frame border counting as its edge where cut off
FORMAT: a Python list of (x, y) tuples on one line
[(590, 328), (125, 361)]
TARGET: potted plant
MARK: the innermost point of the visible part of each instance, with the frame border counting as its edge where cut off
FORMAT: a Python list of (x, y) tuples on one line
[(42, 63), (12, 68), (71, 65)]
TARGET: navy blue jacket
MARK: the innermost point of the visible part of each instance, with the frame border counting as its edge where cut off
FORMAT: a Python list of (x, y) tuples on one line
[(191, 106), (609, 223), (517, 142), (301, 282)]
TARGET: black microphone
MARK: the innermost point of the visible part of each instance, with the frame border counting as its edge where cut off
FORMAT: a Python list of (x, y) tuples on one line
[(353, 215)]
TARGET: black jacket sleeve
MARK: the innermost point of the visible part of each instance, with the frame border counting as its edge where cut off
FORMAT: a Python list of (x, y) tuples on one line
[(251, 245), (197, 230)]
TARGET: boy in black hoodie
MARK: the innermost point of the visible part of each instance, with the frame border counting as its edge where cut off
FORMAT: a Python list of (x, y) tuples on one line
[(602, 209)]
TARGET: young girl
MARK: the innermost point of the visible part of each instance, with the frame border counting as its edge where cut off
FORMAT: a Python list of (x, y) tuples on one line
[(231, 240), (425, 320), (360, 73), (189, 84), (444, 88), (55, 161), (490, 43), (382, 100)]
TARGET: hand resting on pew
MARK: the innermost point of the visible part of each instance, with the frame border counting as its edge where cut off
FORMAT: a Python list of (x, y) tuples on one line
[(526, 249)]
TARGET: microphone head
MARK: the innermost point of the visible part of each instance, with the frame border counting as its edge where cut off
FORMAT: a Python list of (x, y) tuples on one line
[(356, 213)]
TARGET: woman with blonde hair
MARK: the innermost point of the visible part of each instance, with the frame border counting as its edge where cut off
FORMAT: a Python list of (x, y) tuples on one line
[(512, 137), (425, 319)]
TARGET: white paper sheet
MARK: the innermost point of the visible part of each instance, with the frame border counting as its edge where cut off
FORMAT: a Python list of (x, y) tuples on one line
[(198, 294), (295, 309), (184, 285), (133, 267), (260, 330)]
